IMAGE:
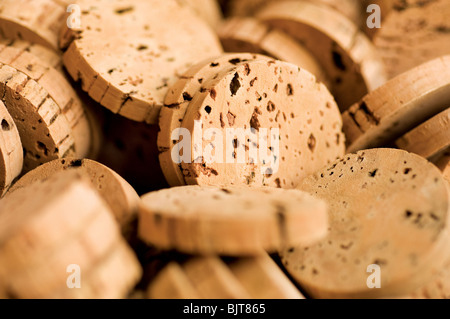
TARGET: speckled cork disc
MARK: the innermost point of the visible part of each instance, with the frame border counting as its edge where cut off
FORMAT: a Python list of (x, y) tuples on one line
[(59, 90), (45, 133), (36, 21), (430, 138), (414, 32), (398, 106), (177, 102), (11, 153), (210, 277), (350, 8), (250, 35), (115, 191), (127, 54), (388, 208), (266, 96), (64, 230), (346, 54), (229, 221)]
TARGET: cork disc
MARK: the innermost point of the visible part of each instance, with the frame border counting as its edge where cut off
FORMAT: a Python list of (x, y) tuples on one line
[(413, 33), (11, 153), (36, 21), (45, 132), (346, 54), (430, 138), (51, 215), (115, 191), (250, 35), (398, 106), (230, 221), (113, 277), (59, 90), (296, 127), (128, 53), (177, 101), (388, 208)]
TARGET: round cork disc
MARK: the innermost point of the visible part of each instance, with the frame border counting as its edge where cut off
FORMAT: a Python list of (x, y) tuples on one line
[(346, 54), (250, 35), (231, 220), (51, 215), (11, 153), (388, 208), (117, 193), (113, 277), (58, 89), (398, 106), (177, 101), (413, 33), (263, 279), (127, 54), (45, 133), (430, 138), (296, 127), (36, 21)]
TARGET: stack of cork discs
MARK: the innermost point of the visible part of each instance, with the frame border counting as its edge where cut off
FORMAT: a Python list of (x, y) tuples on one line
[(239, 149)]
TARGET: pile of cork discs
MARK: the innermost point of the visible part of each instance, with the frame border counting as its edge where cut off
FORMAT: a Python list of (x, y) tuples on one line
[(224, 149)]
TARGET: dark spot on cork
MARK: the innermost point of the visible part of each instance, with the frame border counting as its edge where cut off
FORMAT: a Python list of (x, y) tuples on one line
[(408, 214), (235, 85), (254, 122), (311, 143), (275, 88), (235, 61), (278, 182), (76, 163), (142, 47), (270, 106), (222, 123), (406, 171), (208, 109), (213, 65), (187, 96), (213, 94), (252, 82), (124, 10), (338, 62), (247, 69), (231, 118), (5, 125), (225, 191), (30, 67), (289, 90), (373, 173)]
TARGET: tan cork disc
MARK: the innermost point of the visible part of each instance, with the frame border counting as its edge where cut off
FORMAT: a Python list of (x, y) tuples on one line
[(121, 198), (398, 106), (388, 208), (232, 221), (52, 216), (59, 90), (430, 138), (346, 54), (113, 277), (127, 54), (350, 8), (36, 21), (263, 279), (172, 283), (250, 35), (295, 120), (208, 10), (11, 152), (44, 131), (177, 101), (413, 33), (213, 279)]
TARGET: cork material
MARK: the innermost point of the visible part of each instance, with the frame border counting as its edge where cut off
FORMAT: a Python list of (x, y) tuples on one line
[(232, 221), (44, 131), (36, 21), (250, 35), (208, 10), (398, 106), (346, 54), (115, 191), (129, 65), (388, 208), (413, 33), (177, 101), (11, 153), (264, 95), (59, 90), (430, 138)]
